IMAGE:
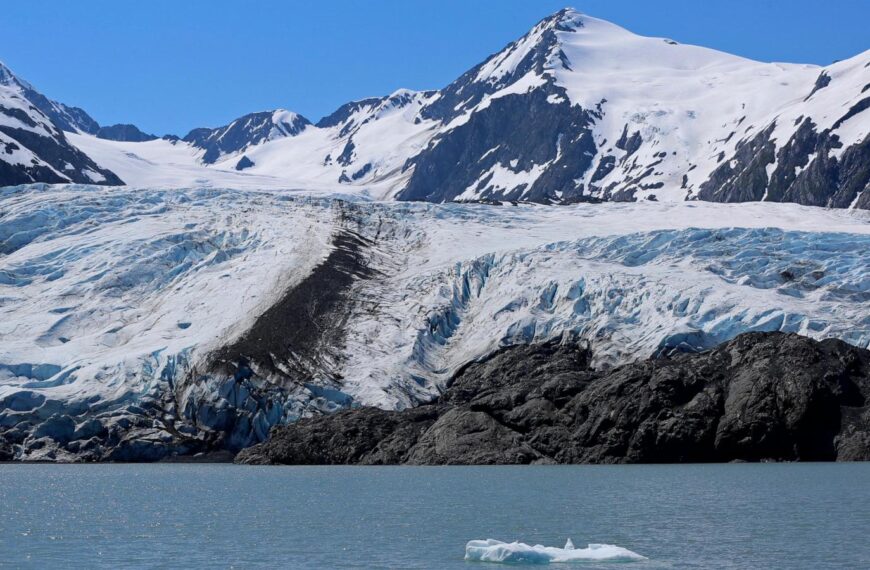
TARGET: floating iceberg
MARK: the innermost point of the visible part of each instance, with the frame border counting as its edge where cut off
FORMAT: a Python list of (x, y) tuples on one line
[(519, 553)]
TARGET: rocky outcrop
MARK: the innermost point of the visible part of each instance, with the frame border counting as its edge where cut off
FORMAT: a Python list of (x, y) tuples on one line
[(124, 133), (758, 397), (6, 452), (244, 163)]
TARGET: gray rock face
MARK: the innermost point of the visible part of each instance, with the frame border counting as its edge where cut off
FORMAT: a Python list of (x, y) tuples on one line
[(805, 171), (244, 163), (6, 452), (539, 132), (124, 133), (761, 396), (744, 178)]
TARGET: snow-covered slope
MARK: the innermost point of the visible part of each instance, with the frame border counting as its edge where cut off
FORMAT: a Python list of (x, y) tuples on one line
[(365, 143), (246, 131), (362, 147), (578, 109), (32, 145), (581, 109), (66, 118), (137, 323), (166, 163)]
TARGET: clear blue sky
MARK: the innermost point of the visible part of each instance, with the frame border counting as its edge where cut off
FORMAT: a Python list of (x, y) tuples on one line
[(171, 65)]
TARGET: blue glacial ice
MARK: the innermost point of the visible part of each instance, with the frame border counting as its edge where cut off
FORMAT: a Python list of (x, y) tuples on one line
[(112, 300)]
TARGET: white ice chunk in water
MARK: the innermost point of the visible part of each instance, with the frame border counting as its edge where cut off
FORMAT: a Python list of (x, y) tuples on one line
[(491, 550)]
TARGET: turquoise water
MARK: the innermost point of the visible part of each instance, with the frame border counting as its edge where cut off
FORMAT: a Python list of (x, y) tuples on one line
[(225, 516)]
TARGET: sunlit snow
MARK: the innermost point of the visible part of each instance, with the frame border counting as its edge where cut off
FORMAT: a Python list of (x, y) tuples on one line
[(491, 550)]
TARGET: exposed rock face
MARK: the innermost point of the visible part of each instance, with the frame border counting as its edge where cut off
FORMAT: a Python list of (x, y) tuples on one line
[(761, 396), (540, 132), (244, 163), (124, 133), (6, 453), (804, 170)]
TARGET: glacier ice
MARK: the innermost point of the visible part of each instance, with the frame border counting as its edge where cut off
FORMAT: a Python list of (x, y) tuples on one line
[(112, 301), (491, 550)]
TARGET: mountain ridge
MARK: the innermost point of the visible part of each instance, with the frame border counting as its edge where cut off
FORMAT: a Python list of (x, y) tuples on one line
[(33, 147), (576, 110)]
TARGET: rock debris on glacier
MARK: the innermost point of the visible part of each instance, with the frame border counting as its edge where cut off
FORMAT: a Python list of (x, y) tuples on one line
[(136, 323)]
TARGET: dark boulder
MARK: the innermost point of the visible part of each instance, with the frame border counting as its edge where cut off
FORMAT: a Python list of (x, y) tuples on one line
[(244, 163)]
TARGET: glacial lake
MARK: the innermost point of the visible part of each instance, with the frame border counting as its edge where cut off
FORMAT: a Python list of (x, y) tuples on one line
[(226, 516)]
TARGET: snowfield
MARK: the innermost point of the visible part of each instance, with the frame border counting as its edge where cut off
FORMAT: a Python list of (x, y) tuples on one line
[(113, 302)]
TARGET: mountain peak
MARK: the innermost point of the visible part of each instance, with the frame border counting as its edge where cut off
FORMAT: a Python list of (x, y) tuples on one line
[(66, 118), (9, 79), (565, 20), (5, 74), (248, 130)]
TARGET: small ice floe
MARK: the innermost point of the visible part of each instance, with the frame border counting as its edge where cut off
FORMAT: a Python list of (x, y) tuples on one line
[(519, 553)]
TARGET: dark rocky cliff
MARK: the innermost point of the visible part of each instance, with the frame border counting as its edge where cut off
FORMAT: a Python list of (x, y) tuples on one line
[(761, 396)]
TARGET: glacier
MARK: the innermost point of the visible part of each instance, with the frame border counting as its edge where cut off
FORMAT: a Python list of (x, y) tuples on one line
[(137, 324)]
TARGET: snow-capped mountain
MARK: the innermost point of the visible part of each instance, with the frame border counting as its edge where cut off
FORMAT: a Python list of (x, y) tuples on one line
[(252, 129), (36, 146), (33, 146), (582, 109), (66, 118), (578, 109)]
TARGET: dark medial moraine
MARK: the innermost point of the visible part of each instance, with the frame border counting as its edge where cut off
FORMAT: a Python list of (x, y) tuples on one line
[(758, 397)]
